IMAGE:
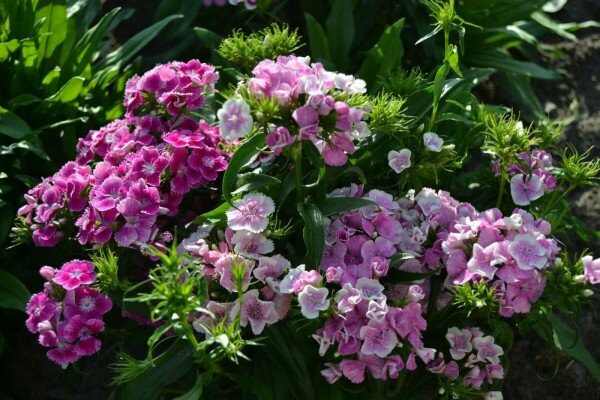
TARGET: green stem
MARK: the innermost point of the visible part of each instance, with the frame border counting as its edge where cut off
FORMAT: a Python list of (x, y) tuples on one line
[(297, 158), (189, 332), (502, 184)]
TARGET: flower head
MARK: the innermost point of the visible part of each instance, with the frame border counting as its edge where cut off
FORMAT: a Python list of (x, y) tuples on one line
[(251, 212), (399, 161), (75, 273), (235, 120), (432, 141)]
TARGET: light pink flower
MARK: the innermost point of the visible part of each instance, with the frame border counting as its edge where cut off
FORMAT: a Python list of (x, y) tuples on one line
[(235, 120), (460, 342), (484, 260), (399, 161), (528, 252), (591, 269), (251, 212), (525, 189), (251, 245), (378, 339), (312, 300), (332, 373), (259, 313), (432, 142), (487, 350)]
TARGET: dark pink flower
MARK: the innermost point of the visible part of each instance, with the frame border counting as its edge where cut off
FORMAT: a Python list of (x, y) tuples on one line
[(75, 273)]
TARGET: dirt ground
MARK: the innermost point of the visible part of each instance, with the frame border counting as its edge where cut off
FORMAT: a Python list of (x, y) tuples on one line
[(578, 95)]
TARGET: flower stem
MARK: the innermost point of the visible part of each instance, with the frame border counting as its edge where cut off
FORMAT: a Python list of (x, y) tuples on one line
[(297, 158), (189, 332), (502, 183)]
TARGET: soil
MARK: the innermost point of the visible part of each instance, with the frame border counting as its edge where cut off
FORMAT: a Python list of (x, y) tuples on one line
[(577, 97)]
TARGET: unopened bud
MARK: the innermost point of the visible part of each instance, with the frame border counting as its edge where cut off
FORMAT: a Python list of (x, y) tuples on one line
[(578, 278), (587, 293)]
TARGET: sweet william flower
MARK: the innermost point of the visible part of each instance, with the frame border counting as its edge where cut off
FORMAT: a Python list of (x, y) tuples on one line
[(399, 160), (432, 142), (312, 300), (528, 252), (525, 189), (257, 312), (235, 120), (591, 269), (378, 339), (75, 273), (460, 342), (251, 212)]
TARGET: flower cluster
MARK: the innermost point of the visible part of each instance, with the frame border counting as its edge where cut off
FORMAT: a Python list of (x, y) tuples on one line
[(530, 177), (241, 260), (367, 323), (130, 173), (68, 312), (591, 269), (316, 101), (480, 354), (175, 87), (508, 253)]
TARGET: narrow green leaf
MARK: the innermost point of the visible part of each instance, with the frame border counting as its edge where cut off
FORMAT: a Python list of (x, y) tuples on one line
[(69, 92), (438, 83), (570, 342), (168, 367), (313, 234), (23, 100), (89, 42), (336, 205), (552, 25), (13, 294), (399, 276), (453, 60), (53, 30), (319, 47), (503, 62), (195, 392), (431, 34), (384, 56), (244, 154), (12, 125), (251, 181), (208, 38), (340, 32), (6, 48), (124, 53)]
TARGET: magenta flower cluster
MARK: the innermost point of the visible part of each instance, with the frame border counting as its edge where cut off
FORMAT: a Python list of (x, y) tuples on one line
[(530, 177), (175, 87), (131, 174), (316, 99), (68, 313), (475, 358), (241, 261), (508, 253)]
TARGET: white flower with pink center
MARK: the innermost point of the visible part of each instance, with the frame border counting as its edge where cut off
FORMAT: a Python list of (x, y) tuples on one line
[(235, 120), (257, 312), (251, 212), (460, 342), (312, 300), (399, 160)]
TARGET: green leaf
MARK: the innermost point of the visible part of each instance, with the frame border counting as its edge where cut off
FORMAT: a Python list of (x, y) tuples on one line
[(69, 92), (438, 83), (242, 156), (88, 44), (12, 125), (216, 215), (570, 342), (313, 234), (399, 276), (384, 56), (23, 100), (503, 335), (340, 32), (552, 25), (251, 181), (6, 48), (124, 53), (336, 205), (453, 60), (13, 294), (504, 62), (209, 39), (195, 392), (168, 368), (431, 34), (53, 30), (319, 47)]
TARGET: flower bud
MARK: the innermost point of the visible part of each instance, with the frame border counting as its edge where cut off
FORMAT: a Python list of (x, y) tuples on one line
[(578, 278), (587, 293)]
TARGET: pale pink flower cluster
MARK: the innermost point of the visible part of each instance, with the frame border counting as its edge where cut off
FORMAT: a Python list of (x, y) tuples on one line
[(242, 260), (530, 178), (316, 99), (68, 313), (370, 329), (510, 253), (475, 358), (129, 177)]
